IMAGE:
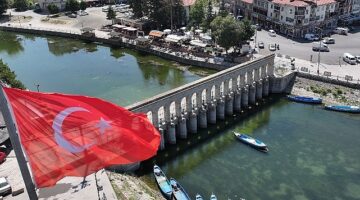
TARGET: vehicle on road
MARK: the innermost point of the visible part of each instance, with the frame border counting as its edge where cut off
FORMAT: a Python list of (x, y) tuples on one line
[(357, 59), (83, 13), (311, 37), (272, 47), (319, 46), (347, 57), (5, 187), (72, 15), (272, 33), (328, 40), (2, 157), (341, 31), (261, 45)]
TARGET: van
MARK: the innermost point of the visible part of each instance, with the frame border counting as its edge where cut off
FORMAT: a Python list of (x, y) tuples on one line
[(347, 57), (311, 37), (319, 46), (341, 31)]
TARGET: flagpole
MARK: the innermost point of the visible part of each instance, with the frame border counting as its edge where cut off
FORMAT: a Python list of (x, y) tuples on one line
[(14, 138)]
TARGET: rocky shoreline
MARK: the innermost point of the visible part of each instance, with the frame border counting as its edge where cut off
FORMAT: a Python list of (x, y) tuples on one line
[(330, 93)]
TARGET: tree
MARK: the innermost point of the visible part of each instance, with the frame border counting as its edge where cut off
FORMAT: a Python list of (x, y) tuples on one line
[(226, 31), (111, 13), (72, 5), (197, 13), (222, 11), (53, 9), (209, 16), (246, 30), (9, 77), (83, 5), (137, 7), (21, 5), (3, 6)]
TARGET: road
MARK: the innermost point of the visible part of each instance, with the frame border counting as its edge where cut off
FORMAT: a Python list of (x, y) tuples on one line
[(303, 49)]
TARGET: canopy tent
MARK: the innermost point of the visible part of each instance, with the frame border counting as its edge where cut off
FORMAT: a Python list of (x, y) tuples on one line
[(198, 43), (129, 29), (198, 31), (205, 37), (173, 38), (156, 33), (167, 31), (183, 28)]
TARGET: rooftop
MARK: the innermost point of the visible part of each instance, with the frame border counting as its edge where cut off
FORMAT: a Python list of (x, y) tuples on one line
[(291, 3)]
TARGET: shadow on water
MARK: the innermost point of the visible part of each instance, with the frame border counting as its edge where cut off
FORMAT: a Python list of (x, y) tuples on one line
[(61, 46), (204, 135), (10, 43)]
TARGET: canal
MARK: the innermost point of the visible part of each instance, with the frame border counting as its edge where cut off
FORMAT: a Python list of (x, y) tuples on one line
[(314, 154)]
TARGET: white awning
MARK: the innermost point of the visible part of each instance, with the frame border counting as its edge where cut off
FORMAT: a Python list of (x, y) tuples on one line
[(205, 37), (198, 31), (130, 29), (197, 43), (118, 26), (167, 31), (173, 38)]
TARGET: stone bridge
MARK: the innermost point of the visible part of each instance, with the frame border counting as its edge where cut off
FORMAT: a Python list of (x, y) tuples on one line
[(183, 110)]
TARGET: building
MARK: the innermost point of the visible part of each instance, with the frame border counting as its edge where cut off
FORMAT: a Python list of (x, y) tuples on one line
[(243, 8), (355, 7)]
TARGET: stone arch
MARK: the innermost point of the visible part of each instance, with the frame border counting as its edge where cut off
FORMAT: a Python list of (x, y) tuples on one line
[(230, 86), (172, 109), (193, 100), (213, 92), (203, 96), (150, 117), (161, 114), (222, 88), (183, 105)]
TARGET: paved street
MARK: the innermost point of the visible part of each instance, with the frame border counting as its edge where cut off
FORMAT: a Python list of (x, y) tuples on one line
[(303, 50)]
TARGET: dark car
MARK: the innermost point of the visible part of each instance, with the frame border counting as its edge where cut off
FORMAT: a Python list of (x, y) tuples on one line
[(261, 45)]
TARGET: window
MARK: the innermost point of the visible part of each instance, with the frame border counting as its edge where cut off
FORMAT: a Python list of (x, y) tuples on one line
[(290, 11), (271, 6), (270, 14), (282, 8), (307, 11), (281, 17)]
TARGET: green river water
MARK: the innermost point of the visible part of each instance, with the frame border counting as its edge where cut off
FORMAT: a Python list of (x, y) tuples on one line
[(314, 153)]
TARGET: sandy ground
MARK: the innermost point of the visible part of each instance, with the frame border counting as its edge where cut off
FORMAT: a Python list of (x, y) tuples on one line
[(331, 94), (131, 187)]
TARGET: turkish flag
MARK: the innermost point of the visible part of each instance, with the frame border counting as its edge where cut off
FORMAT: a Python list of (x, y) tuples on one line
[(66, 135)]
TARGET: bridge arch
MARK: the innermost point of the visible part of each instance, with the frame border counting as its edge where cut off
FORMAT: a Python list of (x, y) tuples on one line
[(161, 115), (183, 105), (150, 117), (172, 109)]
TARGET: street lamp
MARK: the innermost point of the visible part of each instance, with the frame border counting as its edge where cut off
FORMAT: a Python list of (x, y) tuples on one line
[(318, 71), (37, 86)]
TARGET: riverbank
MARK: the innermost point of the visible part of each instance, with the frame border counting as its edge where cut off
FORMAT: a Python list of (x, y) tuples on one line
[(330, 93)]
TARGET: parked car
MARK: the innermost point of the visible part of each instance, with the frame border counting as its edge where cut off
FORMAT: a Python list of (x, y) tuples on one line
[(341, 31), (357, 59), (311, 37), (347, 57), (319, 46), (83, 13), (5, 187), (73, 15), (272, 47), (329, 40), (272, 33), (2, 157), (261, 45)]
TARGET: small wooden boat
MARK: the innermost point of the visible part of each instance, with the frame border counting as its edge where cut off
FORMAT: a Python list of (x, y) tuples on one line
[(303, 99), (213, 197), (257, 144), (343, 108), (178, 191), (198, 197), (163, 183)]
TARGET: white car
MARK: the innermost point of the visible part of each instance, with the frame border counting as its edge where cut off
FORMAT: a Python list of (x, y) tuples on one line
[(272, 47), (357, 59), (5, 187), (272, 33)]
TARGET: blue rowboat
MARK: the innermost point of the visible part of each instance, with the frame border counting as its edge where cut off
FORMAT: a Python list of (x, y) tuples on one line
[(198, 197), (178, 191), (257, 144), (213, 197), (163, 183), (342, 108), (303, 99)]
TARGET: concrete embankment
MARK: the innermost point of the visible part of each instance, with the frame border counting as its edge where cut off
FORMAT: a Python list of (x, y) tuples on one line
[(119, 43)]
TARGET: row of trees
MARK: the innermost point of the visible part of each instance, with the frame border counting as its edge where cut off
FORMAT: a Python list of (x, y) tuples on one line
[(70, 5), (9, 77), (19, 5)]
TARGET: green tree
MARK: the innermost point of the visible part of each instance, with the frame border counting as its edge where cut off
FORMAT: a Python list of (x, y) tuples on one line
[(3, 6), (222, 11), (197, 13), (209, 16), (138, 7), (111, 13), (246, 30), (9, 77), (226, 31), (83, 5), (72, 5), (21, 5), (53, 9)]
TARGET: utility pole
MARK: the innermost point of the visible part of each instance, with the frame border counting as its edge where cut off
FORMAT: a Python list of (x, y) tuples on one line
[(318, 68), (171, 15)]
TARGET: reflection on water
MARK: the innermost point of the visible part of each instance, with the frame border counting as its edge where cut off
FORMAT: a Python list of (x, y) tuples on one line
[(70, 66), (10, 43), (313, 155)]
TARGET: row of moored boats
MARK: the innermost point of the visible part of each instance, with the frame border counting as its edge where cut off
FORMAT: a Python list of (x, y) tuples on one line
[(316, 100), (171, 189)]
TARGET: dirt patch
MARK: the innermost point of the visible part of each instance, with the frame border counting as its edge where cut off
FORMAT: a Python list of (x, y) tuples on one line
[(54, 21), (330, 93), (131, 187), (20, 19)]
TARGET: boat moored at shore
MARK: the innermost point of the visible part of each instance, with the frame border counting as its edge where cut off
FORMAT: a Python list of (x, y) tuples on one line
[(304, 99), (162, 182), (343, 108), (178, 191)]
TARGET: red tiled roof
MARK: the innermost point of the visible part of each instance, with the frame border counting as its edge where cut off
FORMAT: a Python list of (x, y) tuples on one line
[(323, 2), (296, 3), (247, 1)]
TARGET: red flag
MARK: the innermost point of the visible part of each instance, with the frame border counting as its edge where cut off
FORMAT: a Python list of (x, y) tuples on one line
[(66, 135)]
